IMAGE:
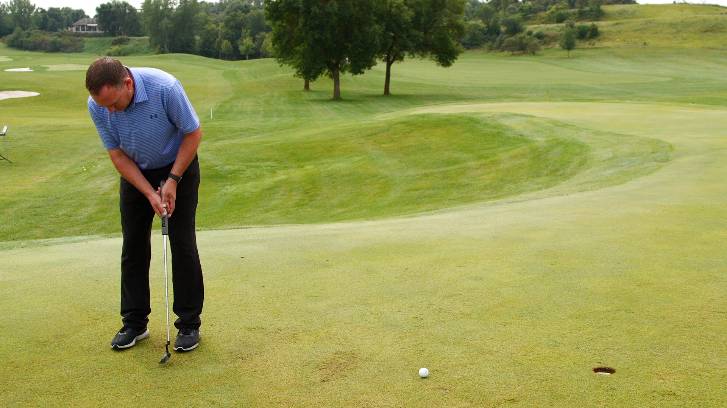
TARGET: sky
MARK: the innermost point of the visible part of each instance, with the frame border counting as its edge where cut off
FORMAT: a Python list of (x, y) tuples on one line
[(90, 5)]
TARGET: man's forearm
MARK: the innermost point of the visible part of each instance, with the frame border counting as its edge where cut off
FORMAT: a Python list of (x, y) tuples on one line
[(130, 172), (187, 151)]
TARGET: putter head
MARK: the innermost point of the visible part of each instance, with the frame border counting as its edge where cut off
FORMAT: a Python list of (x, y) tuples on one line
[(166, 358), (167, 355)]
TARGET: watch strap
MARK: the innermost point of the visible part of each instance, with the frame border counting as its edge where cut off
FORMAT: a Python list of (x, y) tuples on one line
[(175, 177)]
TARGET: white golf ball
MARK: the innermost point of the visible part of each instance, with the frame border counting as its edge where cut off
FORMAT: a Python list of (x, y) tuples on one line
[(423, 372)]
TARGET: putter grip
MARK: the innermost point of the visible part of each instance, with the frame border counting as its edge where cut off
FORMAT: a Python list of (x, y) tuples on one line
[(165, 218)]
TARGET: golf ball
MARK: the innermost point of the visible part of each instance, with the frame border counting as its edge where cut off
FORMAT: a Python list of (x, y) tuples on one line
[(423, 372)]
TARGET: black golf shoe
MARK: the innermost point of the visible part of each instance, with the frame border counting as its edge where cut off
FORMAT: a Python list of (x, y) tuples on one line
[(127, 337), (187, 340)]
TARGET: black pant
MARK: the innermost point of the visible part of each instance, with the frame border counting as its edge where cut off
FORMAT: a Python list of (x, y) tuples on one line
[(137, 215)]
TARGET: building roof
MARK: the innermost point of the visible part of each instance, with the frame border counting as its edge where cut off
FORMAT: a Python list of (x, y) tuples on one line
[(85, 21)]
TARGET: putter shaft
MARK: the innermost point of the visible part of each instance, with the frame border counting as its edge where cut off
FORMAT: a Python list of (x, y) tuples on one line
[(165, 236)]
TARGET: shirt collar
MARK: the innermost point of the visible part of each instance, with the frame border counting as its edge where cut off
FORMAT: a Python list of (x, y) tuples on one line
[(139, 90)]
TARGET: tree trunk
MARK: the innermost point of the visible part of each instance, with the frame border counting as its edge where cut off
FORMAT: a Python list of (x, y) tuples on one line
[(306, 85), (387, 83), (336, 84)]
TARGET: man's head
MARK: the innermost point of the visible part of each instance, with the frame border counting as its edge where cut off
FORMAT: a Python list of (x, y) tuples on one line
[(110, 84)]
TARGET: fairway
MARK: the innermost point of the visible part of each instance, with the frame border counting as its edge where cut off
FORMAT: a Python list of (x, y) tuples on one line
[(510, 223)]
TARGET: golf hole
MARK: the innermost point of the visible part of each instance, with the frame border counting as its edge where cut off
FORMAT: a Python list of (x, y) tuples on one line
[(604, 370)]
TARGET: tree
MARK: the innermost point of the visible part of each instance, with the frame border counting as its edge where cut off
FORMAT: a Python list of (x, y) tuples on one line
[(442, 25), (55, 20), (257, 44), (184, 22), (582, 31), (254, 22), (157, 16), (6, 23), (118, 18), (475, 34), (208, 37), (257, 29), (266, 46), (70, 16), (343, 35), (568, 40), (39, 19), (21, 13), (288, 39), (511, 44), (399, 36), (247, 46), (226, 49), (532, 45), (513, 25), (419, 28), (593, 31), (521, 43), (233, 22)]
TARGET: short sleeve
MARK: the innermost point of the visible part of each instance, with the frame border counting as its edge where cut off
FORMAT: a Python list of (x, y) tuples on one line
[(101, 120), (179, 109)]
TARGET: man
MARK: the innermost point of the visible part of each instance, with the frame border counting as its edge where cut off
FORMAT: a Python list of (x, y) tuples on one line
[(152, 133)]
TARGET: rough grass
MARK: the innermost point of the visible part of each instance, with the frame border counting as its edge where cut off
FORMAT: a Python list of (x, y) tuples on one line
[(661, 11), (656, 25)]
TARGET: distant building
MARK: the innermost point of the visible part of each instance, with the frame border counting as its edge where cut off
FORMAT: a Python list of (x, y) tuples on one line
[(85, 25)]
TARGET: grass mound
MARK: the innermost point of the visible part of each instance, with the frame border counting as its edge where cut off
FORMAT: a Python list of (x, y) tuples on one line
[(398, 166)]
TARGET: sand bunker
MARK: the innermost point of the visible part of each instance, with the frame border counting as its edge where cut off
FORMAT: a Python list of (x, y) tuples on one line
[(16, 94), (66, 67), (26, 69)]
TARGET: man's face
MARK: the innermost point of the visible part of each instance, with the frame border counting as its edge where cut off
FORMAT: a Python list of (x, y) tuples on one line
[(115, 98)]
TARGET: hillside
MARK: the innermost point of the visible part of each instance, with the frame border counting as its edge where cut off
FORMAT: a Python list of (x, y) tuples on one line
[(104, 46), (657, 25)]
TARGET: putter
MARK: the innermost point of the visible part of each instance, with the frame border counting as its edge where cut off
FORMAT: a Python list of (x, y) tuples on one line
[(165, 234)]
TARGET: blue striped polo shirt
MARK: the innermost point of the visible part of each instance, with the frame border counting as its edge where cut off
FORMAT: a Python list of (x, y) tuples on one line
[(152, 127)]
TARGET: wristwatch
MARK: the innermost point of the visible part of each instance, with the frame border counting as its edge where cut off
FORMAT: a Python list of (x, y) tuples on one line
[(175, 177)]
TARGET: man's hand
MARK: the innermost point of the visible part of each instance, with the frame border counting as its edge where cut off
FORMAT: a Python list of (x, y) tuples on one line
[(155, 200), (168, 194)]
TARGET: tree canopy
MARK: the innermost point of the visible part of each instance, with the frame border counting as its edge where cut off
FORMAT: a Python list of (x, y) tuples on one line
[(325, 37), (347, 36), (118, 18), (419, 28)]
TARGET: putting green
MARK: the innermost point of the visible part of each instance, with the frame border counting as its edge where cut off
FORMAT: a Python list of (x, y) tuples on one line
[(507, 302), (66, 67)]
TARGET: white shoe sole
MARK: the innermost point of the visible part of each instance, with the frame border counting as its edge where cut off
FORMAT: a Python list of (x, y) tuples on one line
[(186, 349), (142, 336)]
